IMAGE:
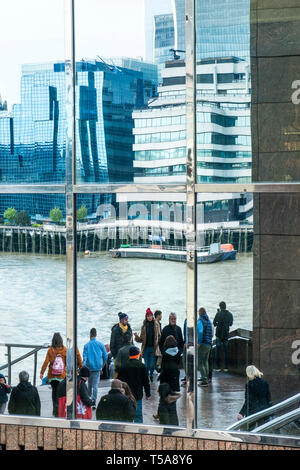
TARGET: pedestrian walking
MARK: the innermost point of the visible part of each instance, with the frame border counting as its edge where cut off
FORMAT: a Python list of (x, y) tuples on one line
[(117, 338), (24, 398), (172, 329), (83, 402), (257, 394), (134, 373), (222, 321), (158, 318), (204, 346), (167, 412), (56, 359), (183, 380), (116, 406), (128, 393), (123, 354), (5, 389), (94, 358), (149, 337), (170, 364)]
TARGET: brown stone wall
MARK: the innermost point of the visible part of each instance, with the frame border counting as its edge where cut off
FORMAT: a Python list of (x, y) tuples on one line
[(275, 65), (16, 437)]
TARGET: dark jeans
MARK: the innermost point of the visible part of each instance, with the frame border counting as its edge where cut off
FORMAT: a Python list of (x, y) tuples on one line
[(149, 359), (54, 384), (224, 345)]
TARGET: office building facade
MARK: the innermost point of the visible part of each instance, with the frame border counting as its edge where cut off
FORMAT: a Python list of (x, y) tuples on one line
[(32, 136)]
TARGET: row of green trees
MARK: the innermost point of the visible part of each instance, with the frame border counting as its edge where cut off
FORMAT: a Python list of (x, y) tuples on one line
[(22, 218)]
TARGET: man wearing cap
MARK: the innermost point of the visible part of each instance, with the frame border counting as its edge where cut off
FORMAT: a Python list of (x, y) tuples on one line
[(149, 337), (134, 373), (115, 406), (118, 338)]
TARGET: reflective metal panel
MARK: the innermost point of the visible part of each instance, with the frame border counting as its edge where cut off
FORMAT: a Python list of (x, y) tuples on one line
[(71, 342), (191, 215)]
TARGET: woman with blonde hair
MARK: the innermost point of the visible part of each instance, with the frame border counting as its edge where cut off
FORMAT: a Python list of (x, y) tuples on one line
[(257, 393)]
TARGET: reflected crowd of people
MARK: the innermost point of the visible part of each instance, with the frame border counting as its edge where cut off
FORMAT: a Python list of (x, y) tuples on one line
[(132, 370)]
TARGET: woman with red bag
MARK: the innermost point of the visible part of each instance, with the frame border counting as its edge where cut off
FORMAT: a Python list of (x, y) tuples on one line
[(84, 402)]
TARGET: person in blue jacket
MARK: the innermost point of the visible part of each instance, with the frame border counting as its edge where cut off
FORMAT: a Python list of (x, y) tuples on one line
[(94, 358), (204, 346)]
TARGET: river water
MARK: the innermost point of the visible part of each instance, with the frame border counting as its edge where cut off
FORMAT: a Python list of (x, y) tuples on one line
[(33, 297)]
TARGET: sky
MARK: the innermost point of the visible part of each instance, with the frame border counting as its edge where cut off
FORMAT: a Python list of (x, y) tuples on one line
[(32, 31)]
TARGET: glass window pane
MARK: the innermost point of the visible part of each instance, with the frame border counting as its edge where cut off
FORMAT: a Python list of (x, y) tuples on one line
[(33, 299), (32, 93), (225, 305), (223, 102), (131, 260)]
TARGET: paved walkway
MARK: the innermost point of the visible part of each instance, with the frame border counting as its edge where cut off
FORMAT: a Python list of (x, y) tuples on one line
[(218, 404)]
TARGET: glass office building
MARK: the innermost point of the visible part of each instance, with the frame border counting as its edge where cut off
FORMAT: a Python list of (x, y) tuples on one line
[(223, 129), (223, 28), (32, 136), (163, 40)]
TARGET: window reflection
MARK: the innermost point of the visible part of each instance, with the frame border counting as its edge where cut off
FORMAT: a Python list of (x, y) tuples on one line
[(126, 251)]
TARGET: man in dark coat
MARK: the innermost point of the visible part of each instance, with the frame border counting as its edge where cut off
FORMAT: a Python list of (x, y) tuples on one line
[(222, 321), (24, 398), (134, 373), (172, 330), (117, 338), (123, 354), (115, 406)]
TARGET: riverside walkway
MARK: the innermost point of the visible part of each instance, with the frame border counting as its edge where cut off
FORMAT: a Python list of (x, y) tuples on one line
[(218, 404)]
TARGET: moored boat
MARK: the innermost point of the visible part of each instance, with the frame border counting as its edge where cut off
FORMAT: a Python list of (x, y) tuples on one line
[(209, 254)]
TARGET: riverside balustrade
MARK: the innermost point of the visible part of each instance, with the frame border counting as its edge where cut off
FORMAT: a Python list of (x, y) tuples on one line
[(34, 352)]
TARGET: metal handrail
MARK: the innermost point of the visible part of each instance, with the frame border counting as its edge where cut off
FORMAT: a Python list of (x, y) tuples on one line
[(245, 422), (10, 363), (278, 422), (169, 247)]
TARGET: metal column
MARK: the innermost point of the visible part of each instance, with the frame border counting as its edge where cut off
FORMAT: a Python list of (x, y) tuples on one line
[(191, 204), (71, 299)]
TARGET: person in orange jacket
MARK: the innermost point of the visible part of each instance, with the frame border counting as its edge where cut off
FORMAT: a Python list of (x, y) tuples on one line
[(56, 358)]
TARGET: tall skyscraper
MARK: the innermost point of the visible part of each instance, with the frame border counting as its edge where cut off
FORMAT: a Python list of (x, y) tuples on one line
[(222, 28), (32, 136), (151, 9), (163, 41)]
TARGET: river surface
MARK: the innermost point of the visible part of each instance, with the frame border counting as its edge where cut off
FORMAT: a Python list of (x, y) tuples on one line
[(33, 295)]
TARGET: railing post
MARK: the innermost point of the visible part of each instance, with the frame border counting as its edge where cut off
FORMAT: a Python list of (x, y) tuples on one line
[(9, 363), (35, 368)]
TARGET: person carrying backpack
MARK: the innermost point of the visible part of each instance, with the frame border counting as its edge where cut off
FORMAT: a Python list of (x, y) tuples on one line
[(222, 321), (56, 358)]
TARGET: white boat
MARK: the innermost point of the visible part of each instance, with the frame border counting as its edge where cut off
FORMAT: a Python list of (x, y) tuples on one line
[(208, 254)]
